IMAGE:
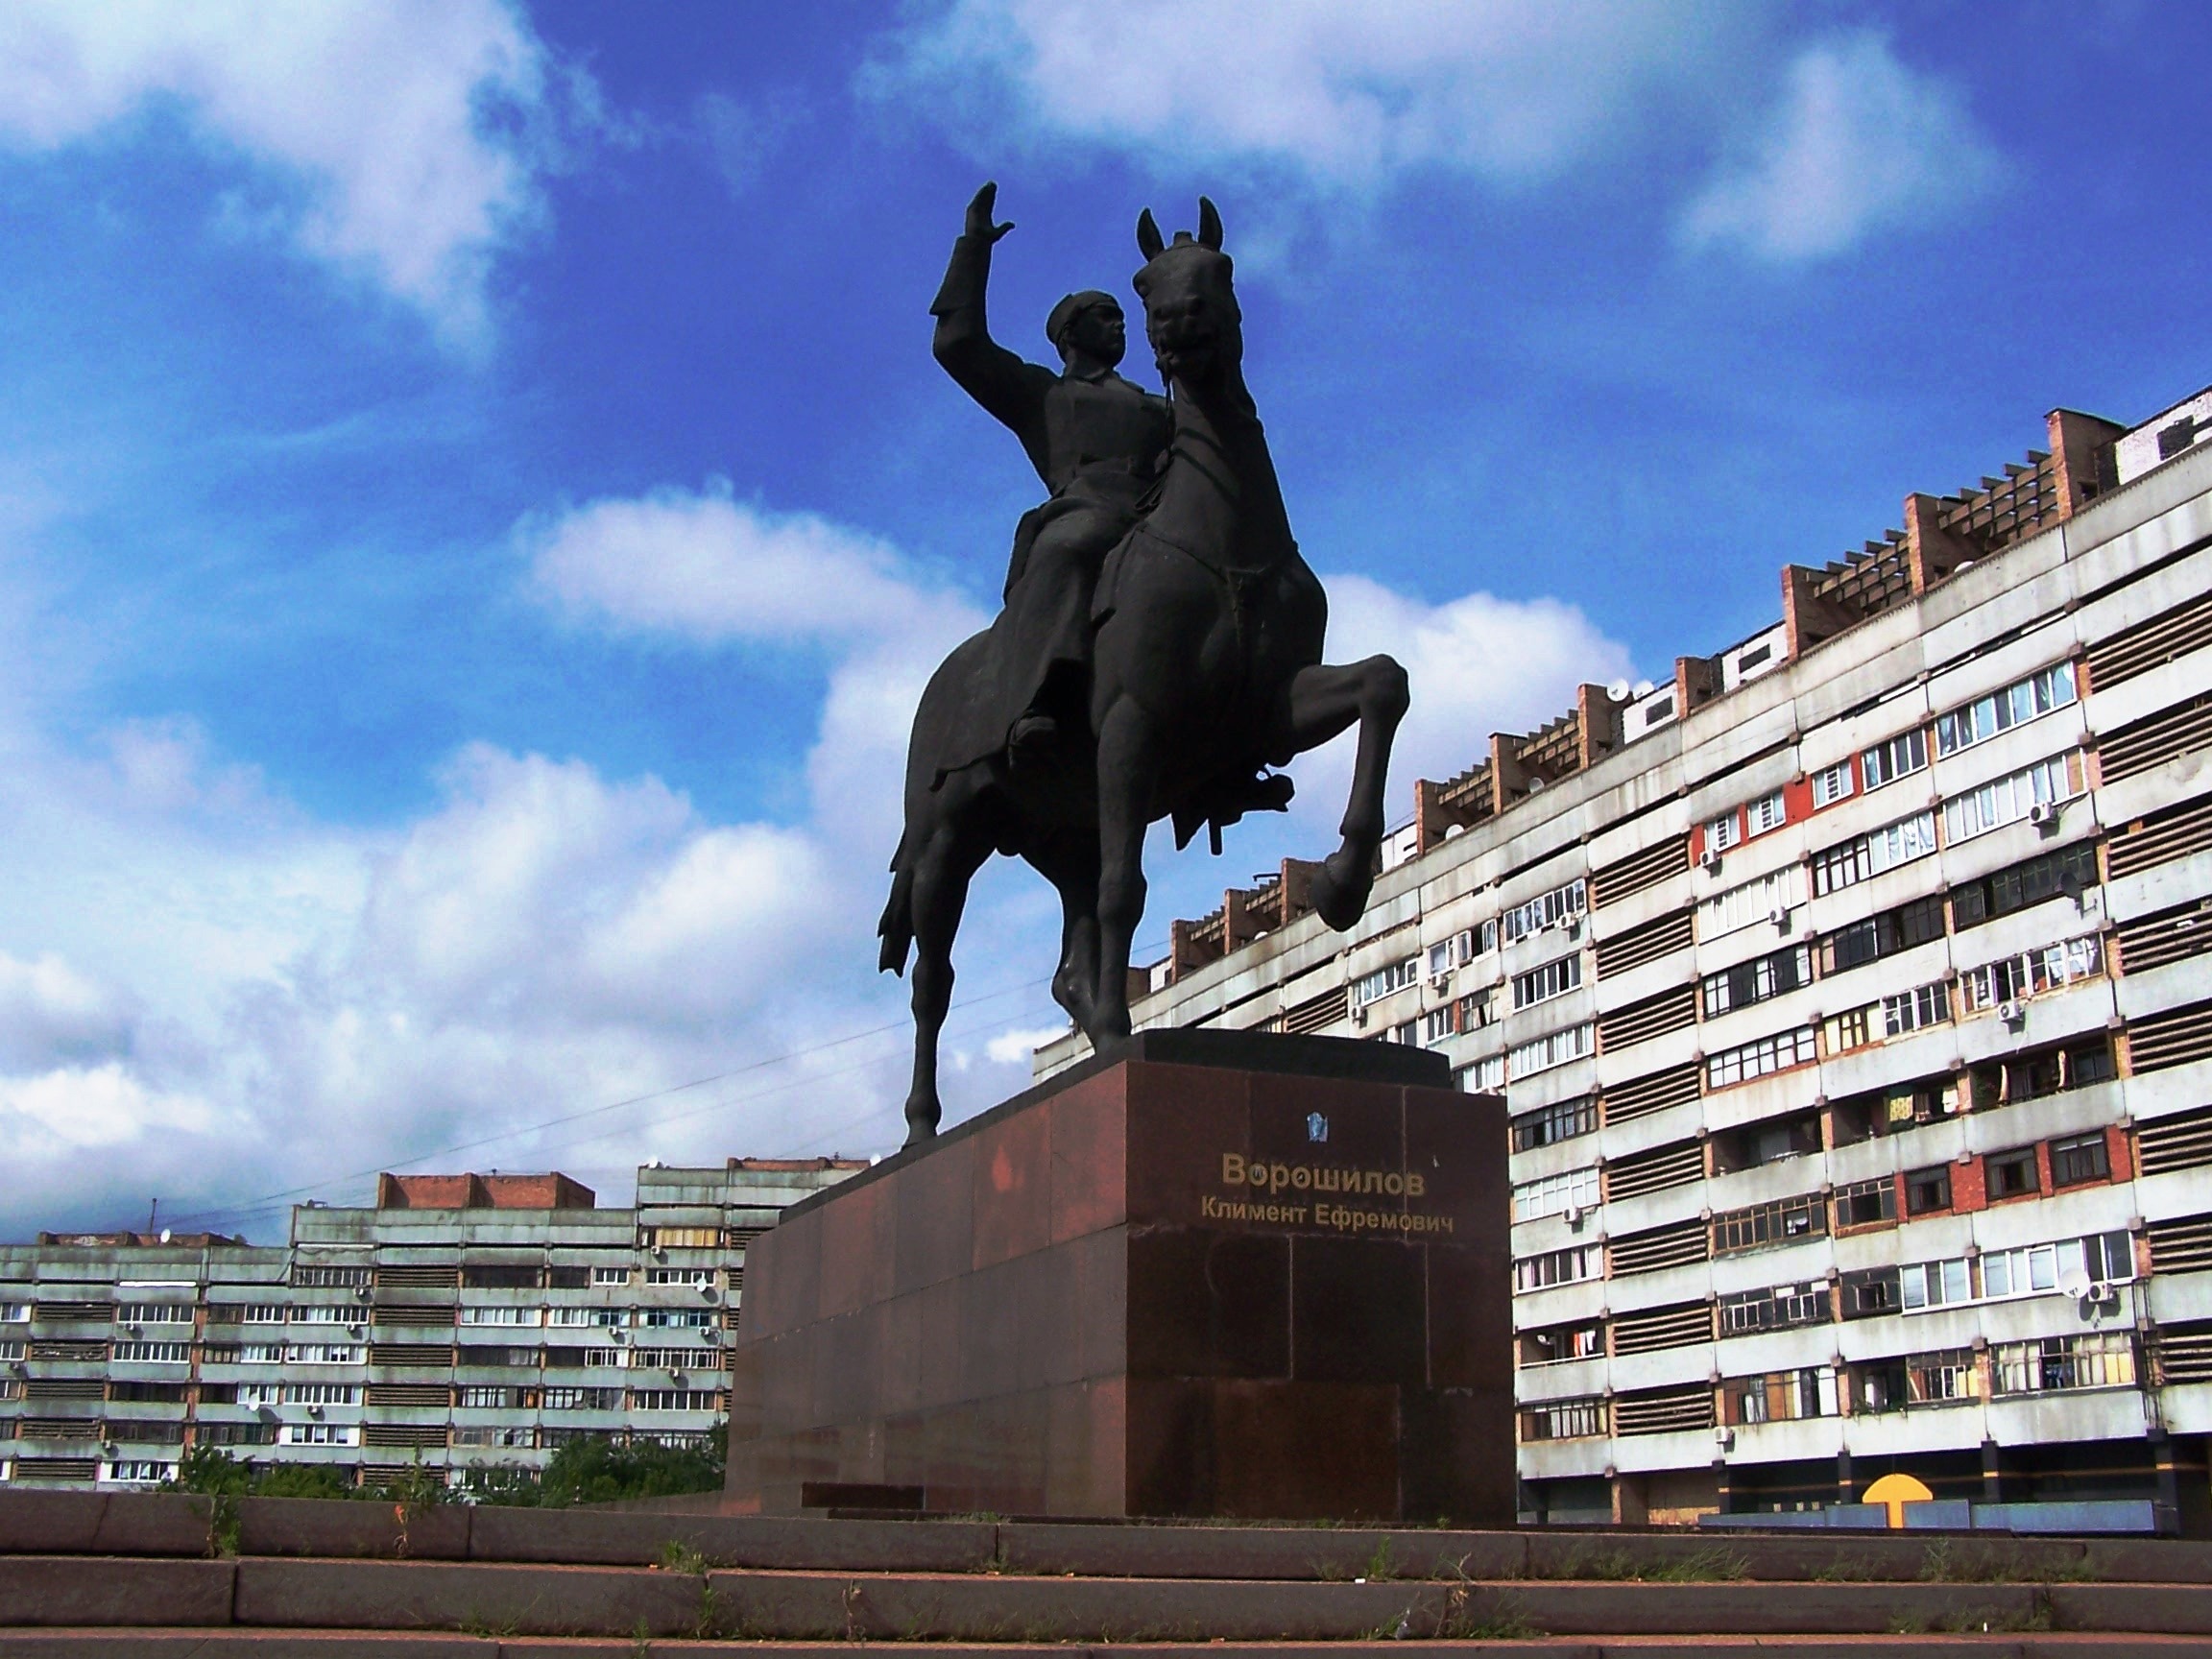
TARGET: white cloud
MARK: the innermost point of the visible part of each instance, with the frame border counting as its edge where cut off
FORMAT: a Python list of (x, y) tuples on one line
[(1478, 665), (1515, 89), (708, 569), (1015, 1048), (1858, 143), (411, 130)]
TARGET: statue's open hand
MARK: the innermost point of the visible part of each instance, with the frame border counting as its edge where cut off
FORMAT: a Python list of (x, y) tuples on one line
[(980, 215)]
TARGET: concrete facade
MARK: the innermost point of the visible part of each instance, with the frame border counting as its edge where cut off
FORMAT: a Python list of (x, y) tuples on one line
[(465, 1322), (1851, 999)]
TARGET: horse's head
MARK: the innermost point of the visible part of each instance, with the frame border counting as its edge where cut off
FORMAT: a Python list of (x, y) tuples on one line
[(1191, 314)]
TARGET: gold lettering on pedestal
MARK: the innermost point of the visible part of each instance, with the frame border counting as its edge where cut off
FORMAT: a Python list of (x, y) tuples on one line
[(1263, 1176)]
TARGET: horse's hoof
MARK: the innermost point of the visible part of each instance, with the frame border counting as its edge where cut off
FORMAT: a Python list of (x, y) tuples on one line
[(1339, 899), (921, 1123)]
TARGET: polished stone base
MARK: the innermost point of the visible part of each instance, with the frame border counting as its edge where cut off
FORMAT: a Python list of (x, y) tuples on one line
[(1221, 1274)]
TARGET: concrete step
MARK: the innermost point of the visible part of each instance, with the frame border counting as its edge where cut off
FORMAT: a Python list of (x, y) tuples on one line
[(274, 1644), (169, 1524), (516, 1600)]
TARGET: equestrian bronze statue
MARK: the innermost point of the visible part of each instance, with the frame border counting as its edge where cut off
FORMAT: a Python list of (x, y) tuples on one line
[(1159, 650)]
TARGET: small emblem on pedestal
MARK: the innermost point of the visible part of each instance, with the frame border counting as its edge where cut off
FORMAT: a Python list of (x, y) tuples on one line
[(1316, 1126)]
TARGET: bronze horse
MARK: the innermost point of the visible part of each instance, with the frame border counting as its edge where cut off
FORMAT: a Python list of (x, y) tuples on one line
[(1206, 671)]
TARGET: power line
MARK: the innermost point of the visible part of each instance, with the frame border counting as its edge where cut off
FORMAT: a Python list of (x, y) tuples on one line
[(276, 1200)]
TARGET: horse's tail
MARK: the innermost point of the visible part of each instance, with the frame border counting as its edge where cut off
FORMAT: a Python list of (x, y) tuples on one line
[(897, 927)]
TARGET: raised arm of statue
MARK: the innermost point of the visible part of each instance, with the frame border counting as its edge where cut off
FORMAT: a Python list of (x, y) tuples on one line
[(1010, 389)]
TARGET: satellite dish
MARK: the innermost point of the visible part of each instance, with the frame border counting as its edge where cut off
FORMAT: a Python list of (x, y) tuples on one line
[(2074, 1283), (1618, 690), (1645, 687), (166, 1235)]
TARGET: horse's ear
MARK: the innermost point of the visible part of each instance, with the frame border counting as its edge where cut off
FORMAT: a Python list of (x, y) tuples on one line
[(1149, 238), (1209, 225)]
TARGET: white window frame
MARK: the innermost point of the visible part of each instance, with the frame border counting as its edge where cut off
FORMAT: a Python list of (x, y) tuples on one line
[(1834, 784), (1555, 1195)]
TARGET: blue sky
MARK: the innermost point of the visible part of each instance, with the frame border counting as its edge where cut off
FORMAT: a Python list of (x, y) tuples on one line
[(476, 505)]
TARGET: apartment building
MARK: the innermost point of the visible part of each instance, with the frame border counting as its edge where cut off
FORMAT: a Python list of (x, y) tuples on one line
[(462, 1322), (1850, 995)]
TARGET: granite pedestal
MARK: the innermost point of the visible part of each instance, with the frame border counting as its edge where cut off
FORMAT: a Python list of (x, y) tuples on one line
[(1222, 1273)]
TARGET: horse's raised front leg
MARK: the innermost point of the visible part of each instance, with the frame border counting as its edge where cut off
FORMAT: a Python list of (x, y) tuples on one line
[(1128, 768), (1322, 701), (942, 871)]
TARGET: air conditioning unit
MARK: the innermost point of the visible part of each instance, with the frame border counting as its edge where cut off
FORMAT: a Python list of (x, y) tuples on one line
[(1573, 1215), (2043, 812), (1711, 862), (2011, 1013), (1360, 1015), (1780, 917)]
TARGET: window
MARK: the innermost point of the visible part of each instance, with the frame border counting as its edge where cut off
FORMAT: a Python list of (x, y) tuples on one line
[(583, 1399), (1561, 1121), (1563, 1420), (1724, 831), (1406, 1031), (1545, 910), (1832, 783), (1757, 980), (1867, 1203), (1437, 1024), (1869, 1292), (694, 1276), (1849, 1030), (1900, 756), (155, 1352), (2080, 1159), (607, 1357), (610, 1275), (252, 1393), (2001, 710), (1943, 1377), (245, 1354), (1442, 958), (1755, 900), (15, 1312), (1935, 1284), (1568, 1267), (2007, 800), (488, 1434), (330, 1278), (1760, 1059), (1485, 1076), (1479, 940), (674, 1399), (1865, 856), (1562, 1343), (1874, 937), (1383, 981), (139, 1470), (262, 1314), (2091, 1359), (601, 1317), (319, 1433), (153, 1312), (1910, 1010), (1779, 1309), (2012, 1174), (2071, 870), (1474, 1010), (487, 1397), (2036, 1269), (1780, 1395), (678, 1318), (326, 1314), (711, 1238), (1554, 1195), (1765, 813), (1552, 979), (1779, 1221), (1525, 1059), (2032, 972), (323, 1354), (1928, 1190), (312, 1393), (500, 1276), (498, 1315)]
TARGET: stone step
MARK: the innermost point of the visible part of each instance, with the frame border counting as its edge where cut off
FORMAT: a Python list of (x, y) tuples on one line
[(514, 1599), (169, 1524), (300, 1644)]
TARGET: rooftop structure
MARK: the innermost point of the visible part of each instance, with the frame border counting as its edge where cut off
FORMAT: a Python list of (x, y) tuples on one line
[(1850, 993)]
